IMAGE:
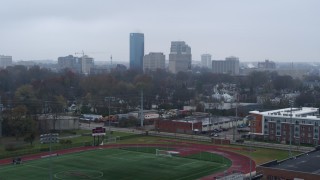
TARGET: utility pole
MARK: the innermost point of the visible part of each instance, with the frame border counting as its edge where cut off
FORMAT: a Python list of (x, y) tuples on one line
[(1, 119), (109, 102), (234, 123), (141, 109)]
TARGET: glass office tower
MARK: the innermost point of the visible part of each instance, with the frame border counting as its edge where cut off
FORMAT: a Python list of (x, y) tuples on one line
[(136, 51)]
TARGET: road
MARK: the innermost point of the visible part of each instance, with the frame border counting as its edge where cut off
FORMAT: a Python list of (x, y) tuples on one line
[(223, 135)]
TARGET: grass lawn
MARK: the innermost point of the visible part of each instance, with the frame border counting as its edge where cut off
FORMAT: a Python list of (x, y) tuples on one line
[(113, 164), (263, 155)]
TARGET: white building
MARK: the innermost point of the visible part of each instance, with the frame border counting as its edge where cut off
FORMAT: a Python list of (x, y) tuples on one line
[(154, 61), (179, 57), (206, 61), (5, 61), (228, 66), (86, 64)]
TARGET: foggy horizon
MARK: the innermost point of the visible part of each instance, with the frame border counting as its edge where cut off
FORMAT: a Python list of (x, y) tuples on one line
[(281, 31)]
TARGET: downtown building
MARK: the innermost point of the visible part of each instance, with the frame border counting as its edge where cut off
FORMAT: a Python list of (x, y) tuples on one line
[(206, 61), (154, 61), (267, 65), (275, 125), (179, 57), (5, 61), (81, 65), (69, 62), (228, 66), (136, 51)]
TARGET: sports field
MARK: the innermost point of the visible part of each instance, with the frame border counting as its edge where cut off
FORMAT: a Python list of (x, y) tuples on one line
[(117, 164)]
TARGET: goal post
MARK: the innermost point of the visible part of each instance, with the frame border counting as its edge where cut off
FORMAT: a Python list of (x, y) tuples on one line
[(165, 153)]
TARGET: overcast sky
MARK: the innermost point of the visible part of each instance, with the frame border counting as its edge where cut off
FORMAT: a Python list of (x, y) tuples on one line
[(253, 30)]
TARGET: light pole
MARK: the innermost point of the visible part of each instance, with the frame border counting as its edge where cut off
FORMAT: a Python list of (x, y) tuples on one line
[(109, 102), (49, 138), (1, 106), (290, 128)]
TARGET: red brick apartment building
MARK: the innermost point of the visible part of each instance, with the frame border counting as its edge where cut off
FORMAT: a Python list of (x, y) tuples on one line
[(303, 167), (275, 125)]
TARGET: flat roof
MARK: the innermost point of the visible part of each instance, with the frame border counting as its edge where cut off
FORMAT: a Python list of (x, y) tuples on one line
[(296, 112), (308, 163)]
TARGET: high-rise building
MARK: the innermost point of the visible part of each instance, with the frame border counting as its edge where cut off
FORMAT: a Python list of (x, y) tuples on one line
[(267, 65), (136, 51), (86, 64), (228, 66), (179, 57), (154, 61), (5, 61), (69, 62), (206, 61)]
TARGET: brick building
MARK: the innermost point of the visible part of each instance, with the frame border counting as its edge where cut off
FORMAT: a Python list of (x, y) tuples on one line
[(275, 125), (178, 126), (301, 167)]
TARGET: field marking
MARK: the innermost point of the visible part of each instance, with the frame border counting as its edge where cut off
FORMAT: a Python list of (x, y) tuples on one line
[(39, 167), (187, 163), (81, 170)]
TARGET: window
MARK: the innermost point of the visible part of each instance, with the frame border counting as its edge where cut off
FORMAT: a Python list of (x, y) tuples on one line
[(316, 123), (278, 133), (297, 122)]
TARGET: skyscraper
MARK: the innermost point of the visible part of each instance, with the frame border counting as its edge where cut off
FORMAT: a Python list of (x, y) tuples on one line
[(206, 61), (136, 51), (69, 62), (154, 61), (179, 57), (5, 61), (86, 64), (228, 66)]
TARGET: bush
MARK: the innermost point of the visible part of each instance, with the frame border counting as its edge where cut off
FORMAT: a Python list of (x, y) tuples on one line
[(67, 141), (14, 146)]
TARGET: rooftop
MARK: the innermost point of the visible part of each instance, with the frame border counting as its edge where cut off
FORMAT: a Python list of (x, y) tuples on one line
[(308, 163), (307, 112)]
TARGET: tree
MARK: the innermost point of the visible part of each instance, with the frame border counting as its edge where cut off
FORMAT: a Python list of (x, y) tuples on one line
[(19, 123), (26, 97)]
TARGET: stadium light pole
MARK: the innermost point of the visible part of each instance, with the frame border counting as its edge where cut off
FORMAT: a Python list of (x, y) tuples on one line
[(0, 119), (290, 128), (109, 123)]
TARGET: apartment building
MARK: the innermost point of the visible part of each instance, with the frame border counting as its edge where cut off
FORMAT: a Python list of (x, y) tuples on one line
[(275, 125)]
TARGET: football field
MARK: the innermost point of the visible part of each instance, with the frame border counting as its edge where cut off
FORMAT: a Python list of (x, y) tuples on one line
[(116, 164)]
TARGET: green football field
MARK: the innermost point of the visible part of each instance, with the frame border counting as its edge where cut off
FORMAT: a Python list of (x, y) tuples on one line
[(116, 164)]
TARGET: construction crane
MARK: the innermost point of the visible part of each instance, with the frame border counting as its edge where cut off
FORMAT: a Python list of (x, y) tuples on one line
[(80, 53)]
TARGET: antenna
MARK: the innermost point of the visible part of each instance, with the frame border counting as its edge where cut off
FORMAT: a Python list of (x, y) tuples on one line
[(111, 61)]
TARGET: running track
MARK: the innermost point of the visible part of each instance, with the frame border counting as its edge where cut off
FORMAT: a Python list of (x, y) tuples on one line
[(240, 163)]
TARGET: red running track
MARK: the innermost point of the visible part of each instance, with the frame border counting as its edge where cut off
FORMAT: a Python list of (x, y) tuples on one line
[(240, 163)]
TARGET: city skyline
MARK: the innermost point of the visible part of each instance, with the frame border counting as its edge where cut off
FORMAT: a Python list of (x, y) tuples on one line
[(253, 31)]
